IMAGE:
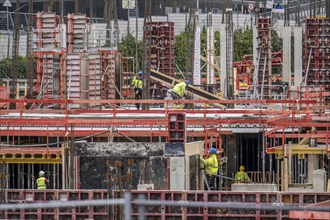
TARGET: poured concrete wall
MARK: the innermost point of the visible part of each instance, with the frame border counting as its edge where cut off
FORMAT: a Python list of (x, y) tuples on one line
[(150, 164)]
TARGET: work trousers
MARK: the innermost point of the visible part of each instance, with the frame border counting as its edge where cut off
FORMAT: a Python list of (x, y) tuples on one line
[(138, 96)]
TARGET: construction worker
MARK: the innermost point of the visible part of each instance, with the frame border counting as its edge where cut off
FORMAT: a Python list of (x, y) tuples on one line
[(42, 180), (211, 167), (178, 91), (137, 85), (241, 176)]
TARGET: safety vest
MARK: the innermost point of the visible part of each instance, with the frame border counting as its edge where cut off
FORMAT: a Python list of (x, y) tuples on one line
[(137, 83), (242, 177), (211, 165), (41, 183), (180, 88)]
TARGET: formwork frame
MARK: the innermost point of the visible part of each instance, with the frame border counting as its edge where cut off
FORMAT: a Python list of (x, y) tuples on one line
[(264, 70), (317, 54)]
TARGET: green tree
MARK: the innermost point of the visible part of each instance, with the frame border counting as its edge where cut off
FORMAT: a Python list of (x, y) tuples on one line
[(6, 64), (243, 43), (127, 47), (180, 47)]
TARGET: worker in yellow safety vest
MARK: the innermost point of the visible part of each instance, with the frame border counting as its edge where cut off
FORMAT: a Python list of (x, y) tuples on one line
[(178, 91), (241, 176), (211, 167), (42, 181), (137, 86)]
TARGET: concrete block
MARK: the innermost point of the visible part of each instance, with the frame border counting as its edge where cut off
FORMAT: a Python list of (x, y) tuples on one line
[(319, 180), (254, 187), (145, 187), (177, 173), (128, 149), (193, 148)]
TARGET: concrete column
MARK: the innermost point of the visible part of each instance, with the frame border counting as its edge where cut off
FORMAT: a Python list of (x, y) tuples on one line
[(210, 50), (297, 56), (255, 44), (197, 57), (287, 55), (84, 80), (223, 60), (312, 164)]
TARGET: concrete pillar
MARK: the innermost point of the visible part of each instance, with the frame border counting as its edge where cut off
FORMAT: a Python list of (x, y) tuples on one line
[(297, 56), (210, 50), (63, 35), (287, 55), (56, 78), (197, 57), (84, 80), (312, 164), (255, 44), (223, 60)]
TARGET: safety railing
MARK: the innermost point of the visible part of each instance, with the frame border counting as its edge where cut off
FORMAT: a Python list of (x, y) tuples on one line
[(157, 204)]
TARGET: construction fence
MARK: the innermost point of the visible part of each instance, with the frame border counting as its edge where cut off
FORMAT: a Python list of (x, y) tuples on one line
[(109, 204)]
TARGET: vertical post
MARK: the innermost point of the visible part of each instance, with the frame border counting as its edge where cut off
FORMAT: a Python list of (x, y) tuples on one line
[(136, 35), (263, 158), (128, 5), (127, 206), (8, 32)]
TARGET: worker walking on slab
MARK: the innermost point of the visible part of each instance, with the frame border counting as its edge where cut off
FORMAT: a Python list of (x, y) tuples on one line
[(241, 176), (137, 85), (211, 167), (178, 91), (42, 181)]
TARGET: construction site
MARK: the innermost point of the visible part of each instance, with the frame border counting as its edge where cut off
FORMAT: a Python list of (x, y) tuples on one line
[(74, 115)]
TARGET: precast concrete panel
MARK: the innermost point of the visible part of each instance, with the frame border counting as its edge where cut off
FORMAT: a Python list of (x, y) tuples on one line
[(298, 45)]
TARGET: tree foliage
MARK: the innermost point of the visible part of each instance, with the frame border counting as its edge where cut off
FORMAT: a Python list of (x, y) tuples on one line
[(127, 47), (6, 64), (243, 43)]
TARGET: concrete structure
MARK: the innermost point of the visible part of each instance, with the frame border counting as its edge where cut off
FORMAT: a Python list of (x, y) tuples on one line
[(223, 59), (151, 165), (298, 54), (287, 55), (254, 187)]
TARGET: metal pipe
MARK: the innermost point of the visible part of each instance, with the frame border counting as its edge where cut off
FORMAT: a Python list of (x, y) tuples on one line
[(8, 36), (263, 159)]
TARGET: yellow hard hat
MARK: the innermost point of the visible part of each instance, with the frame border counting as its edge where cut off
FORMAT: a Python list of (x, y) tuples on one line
[(241, 168)]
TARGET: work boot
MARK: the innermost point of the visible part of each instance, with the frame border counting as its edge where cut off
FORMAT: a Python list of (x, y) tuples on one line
[(180, 106), (174, 106)]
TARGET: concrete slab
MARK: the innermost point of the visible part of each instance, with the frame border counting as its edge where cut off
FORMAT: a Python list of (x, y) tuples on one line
[(254, 187)]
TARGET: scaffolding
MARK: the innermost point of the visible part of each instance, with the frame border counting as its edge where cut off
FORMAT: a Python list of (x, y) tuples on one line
[(317, 53)]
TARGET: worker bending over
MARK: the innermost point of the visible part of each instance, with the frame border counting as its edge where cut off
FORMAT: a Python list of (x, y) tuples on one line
[(137, 85), (241, 176), (178, 91), (211, 167), (42, 180)]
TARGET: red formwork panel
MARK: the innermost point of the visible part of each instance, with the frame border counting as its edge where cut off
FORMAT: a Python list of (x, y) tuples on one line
[(317, 53), (176, 127)]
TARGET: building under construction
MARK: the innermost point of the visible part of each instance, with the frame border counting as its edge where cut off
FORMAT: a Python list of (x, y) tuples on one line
[(76, 120)]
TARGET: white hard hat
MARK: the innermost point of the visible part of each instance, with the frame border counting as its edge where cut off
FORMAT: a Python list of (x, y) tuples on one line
[(41, 173)]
